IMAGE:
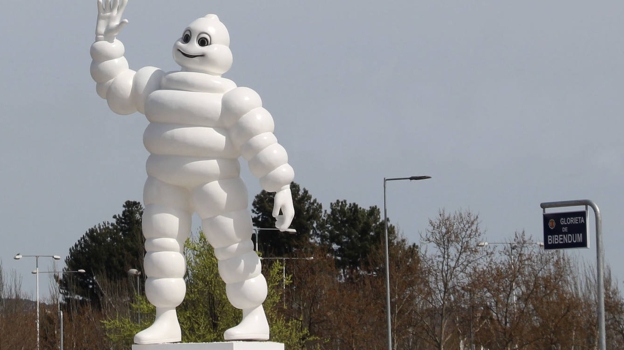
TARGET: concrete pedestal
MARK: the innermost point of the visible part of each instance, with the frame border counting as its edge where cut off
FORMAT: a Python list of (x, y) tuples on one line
[(234, 345)]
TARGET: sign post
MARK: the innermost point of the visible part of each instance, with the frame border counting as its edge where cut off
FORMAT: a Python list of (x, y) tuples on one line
[(602, 342), (566, 230)]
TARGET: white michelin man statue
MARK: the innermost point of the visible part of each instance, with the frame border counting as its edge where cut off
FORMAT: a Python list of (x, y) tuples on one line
[(200, 124)]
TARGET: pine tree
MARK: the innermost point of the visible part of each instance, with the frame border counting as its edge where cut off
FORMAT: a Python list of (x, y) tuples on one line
[(106, 252)]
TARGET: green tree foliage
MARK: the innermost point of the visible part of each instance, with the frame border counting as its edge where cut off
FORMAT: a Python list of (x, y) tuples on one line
[(106, 251), (308, 215), (120, 330), (205, 313)]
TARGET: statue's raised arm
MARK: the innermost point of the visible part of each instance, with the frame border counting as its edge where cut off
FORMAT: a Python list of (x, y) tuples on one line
[(124, 89)]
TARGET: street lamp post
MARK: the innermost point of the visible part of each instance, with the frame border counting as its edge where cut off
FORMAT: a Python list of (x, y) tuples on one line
[(256, 232), (18, 256), (137, 273), (58, 301), (388, 310)]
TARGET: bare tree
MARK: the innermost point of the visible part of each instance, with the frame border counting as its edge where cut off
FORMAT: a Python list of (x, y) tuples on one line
[(614, 312), (17, 316), (511, 282), (453, 239)]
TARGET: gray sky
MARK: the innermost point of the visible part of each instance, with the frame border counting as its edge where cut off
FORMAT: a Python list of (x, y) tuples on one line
[(505, 104)]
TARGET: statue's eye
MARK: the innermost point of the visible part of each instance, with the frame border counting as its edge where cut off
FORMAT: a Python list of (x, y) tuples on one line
[(203, 39), (186, 37)]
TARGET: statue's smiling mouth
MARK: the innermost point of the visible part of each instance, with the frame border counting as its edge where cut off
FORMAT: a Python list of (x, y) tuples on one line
[(189, 56)]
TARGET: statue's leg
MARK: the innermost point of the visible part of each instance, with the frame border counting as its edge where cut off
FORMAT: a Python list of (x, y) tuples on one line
[(226, 221), (166, 226)]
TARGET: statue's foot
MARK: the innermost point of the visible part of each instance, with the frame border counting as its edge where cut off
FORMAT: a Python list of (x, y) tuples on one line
[(254, 326), (165, 329)]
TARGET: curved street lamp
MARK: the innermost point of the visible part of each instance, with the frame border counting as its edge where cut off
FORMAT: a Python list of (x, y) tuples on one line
[(388, 310)]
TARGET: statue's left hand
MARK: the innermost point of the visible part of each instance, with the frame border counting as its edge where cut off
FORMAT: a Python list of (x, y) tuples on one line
[(109, 22), (283, 201)]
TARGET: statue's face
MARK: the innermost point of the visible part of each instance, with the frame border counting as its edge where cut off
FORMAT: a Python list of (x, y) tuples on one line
[(204, 47)]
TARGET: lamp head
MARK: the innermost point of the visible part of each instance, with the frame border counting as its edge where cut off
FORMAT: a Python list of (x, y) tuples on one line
[(412, 178), (482, 244), (17, 256), (81, 271), (56, 257)]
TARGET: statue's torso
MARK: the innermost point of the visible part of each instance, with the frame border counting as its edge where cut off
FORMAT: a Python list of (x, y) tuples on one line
[(186, 137)]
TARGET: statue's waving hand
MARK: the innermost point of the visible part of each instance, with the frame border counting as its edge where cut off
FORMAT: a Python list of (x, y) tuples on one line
[(109, 22)]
